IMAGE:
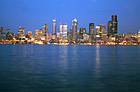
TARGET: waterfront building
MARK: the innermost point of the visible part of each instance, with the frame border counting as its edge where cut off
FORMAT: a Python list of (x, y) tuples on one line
[(98, 33), (92, 32), (63, 30), (21, 31), (36, 32), (104, 32), (58, 35), (9, 35), (82, 31), (30, 33), (74, 29), (54, 27), (2, 36), (45, 29), (86, 37)]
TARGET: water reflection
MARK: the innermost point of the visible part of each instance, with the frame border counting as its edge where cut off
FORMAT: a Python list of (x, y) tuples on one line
[(97, 65), (63, 57)]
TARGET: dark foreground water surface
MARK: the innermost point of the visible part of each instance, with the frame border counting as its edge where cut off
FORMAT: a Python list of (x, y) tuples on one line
[(71, 68)]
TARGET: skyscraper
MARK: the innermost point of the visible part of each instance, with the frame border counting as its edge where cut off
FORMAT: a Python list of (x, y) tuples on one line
[(44, 29), (113, 26), (63, 30), (74, 29), (103, 31), (21, 31), (54, 27), (92, 32), (98, 32)]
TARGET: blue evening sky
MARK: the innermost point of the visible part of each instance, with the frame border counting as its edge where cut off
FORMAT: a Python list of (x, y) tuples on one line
[(32, 14)]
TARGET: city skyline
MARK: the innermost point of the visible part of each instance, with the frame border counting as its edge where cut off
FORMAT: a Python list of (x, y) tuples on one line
[(26, 14)]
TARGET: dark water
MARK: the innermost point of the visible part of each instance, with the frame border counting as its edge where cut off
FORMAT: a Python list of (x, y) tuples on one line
[(72, 68)]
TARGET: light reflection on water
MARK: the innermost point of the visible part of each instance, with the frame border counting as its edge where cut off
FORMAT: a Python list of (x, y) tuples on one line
[(71, 68)]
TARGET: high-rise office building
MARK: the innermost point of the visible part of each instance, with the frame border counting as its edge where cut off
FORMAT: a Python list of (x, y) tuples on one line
[(44, 29), (92, 32), (63, 30), (98, 32), (82, 31), (54, 27), (103, 31), (74, 29), (21, 31), (113, 26), (1, 29)]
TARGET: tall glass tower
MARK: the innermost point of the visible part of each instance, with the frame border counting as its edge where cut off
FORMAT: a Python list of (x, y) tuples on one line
[(114, 24), (54, 27), (74, 29), (92, 32)]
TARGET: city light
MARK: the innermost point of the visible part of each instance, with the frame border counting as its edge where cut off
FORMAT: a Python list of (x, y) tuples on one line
[(101, 35)]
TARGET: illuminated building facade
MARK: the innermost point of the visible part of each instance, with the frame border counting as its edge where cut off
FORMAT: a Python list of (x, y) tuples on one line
[(54, 27), (63, 30), (113, 26), (74, 29), (82, 31), (98, 33), (103, 31), (21, 31), (92, 32), (139, 36), (44, 29), (29, 33)]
